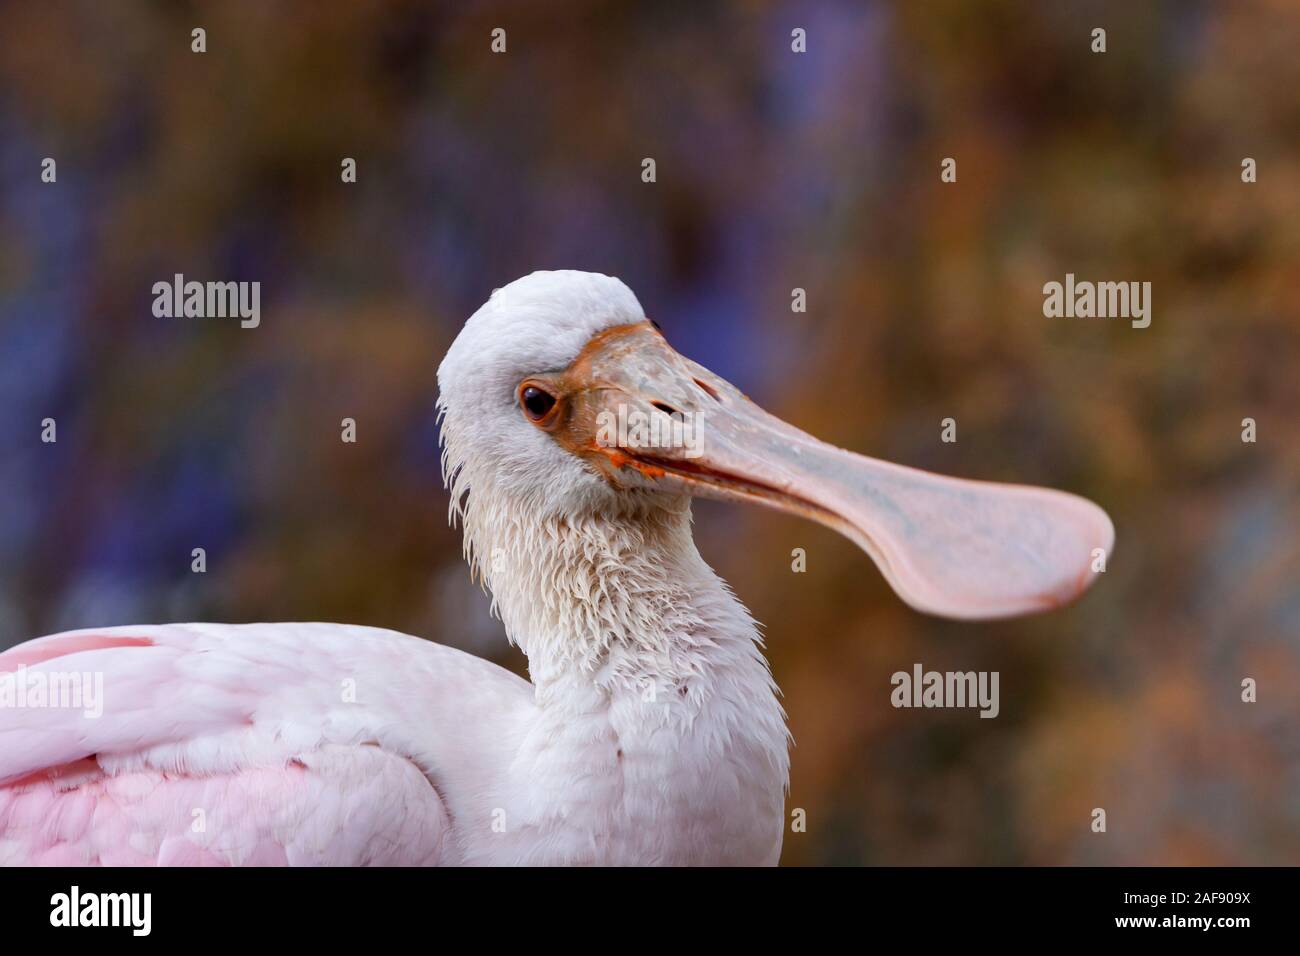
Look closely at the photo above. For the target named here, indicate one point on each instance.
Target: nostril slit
(709, 390)
(665, 408)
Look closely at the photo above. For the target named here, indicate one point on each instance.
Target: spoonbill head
(564, 408)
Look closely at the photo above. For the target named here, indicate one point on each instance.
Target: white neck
(636, 647)
(615, 600)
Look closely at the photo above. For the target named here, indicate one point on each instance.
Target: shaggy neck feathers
(622, 600)
(614, 593)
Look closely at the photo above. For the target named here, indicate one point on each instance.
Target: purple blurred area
(775, 170)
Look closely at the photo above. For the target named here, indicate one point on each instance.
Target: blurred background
(775, 170)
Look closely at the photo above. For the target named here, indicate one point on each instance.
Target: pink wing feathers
(247, 744)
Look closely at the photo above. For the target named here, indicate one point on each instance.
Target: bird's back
(257, 744)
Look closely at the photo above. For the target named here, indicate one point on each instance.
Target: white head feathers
(534, 325)
(572, 563)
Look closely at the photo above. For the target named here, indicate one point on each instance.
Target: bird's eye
(536, 402)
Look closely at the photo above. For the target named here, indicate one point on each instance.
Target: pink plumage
(254, 744)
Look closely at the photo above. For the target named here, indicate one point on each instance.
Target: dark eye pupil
(536, 402)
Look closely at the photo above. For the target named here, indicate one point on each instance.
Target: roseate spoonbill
(651, 731)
